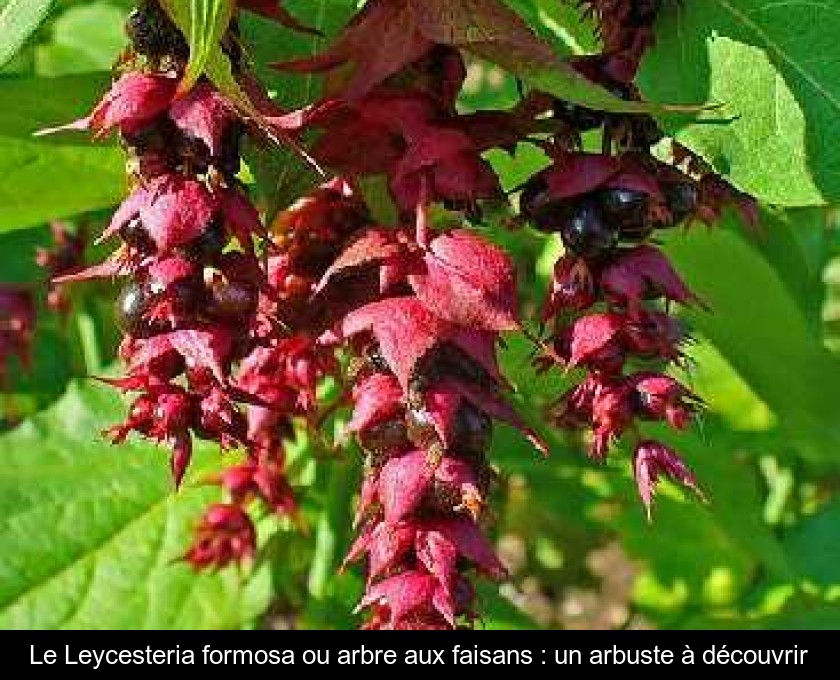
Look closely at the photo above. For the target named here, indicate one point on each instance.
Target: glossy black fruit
(627, 207)
(576, 116)
(230, 300)
(152, 34)
(134, 234)
(587, 234)
(473, 430)
(131, 306)
(681, 198)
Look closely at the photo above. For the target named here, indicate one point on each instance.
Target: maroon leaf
(468, 282)
(373, 246)
(641, 271)
(200, 348)
(403, 594)
(403, 481)
(133, 100)
(203, 113)
(576, 174)
(652, 460)
(381, 40)
(375, 399)
(387, 546)
(593, 334)
(404, 328)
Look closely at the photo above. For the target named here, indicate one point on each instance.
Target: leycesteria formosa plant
(231, 324)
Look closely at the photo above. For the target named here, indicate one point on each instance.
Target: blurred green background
(89, 532)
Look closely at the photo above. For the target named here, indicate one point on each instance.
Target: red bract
(133, 101)
(231, 327)
(66, 257)
(225, 534)
(172, 211)
(651, 461)
(203, 114)
(17, 323)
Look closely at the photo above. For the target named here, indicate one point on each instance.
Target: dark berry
(421, 430)
(627, 210)
(644, 132)
(587, 234)
(152, 34)
(209, 245)
(373, 356)
(473, 431)
(132, 304)
(535, 201)
(230, 300)
(135, 235)
(681, 199)
(643, 12)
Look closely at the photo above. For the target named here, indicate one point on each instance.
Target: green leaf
(90, 532)
(87, 37)
(696, 555)
(760, 326)
(19, 19)
(813, 549)
(774, 66)
(498, 34)
(203, 23)
(41, 175)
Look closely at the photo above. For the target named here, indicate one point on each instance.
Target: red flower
(225, 534)
(133, 101)
(651, 461)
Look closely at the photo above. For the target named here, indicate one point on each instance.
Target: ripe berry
(383, 440)
(587, 234)
(135, 235)
(576, 116)
(152, 34)
(535, 204)
(231, 300)
(643, 12)
(473, 431)
(681, 199)
(132, 303)
(626, 208)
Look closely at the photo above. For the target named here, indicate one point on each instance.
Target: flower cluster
(605, 306)
(424, 314)
(17, 324)
(66, 256)
(206, 346)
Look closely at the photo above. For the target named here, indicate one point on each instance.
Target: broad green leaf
(41, 181)
(41, 176)
(87, 37)
(90, 532)
(203, 23)
(813, 549)
(19, 19)
(774, 66)
(758, 323)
